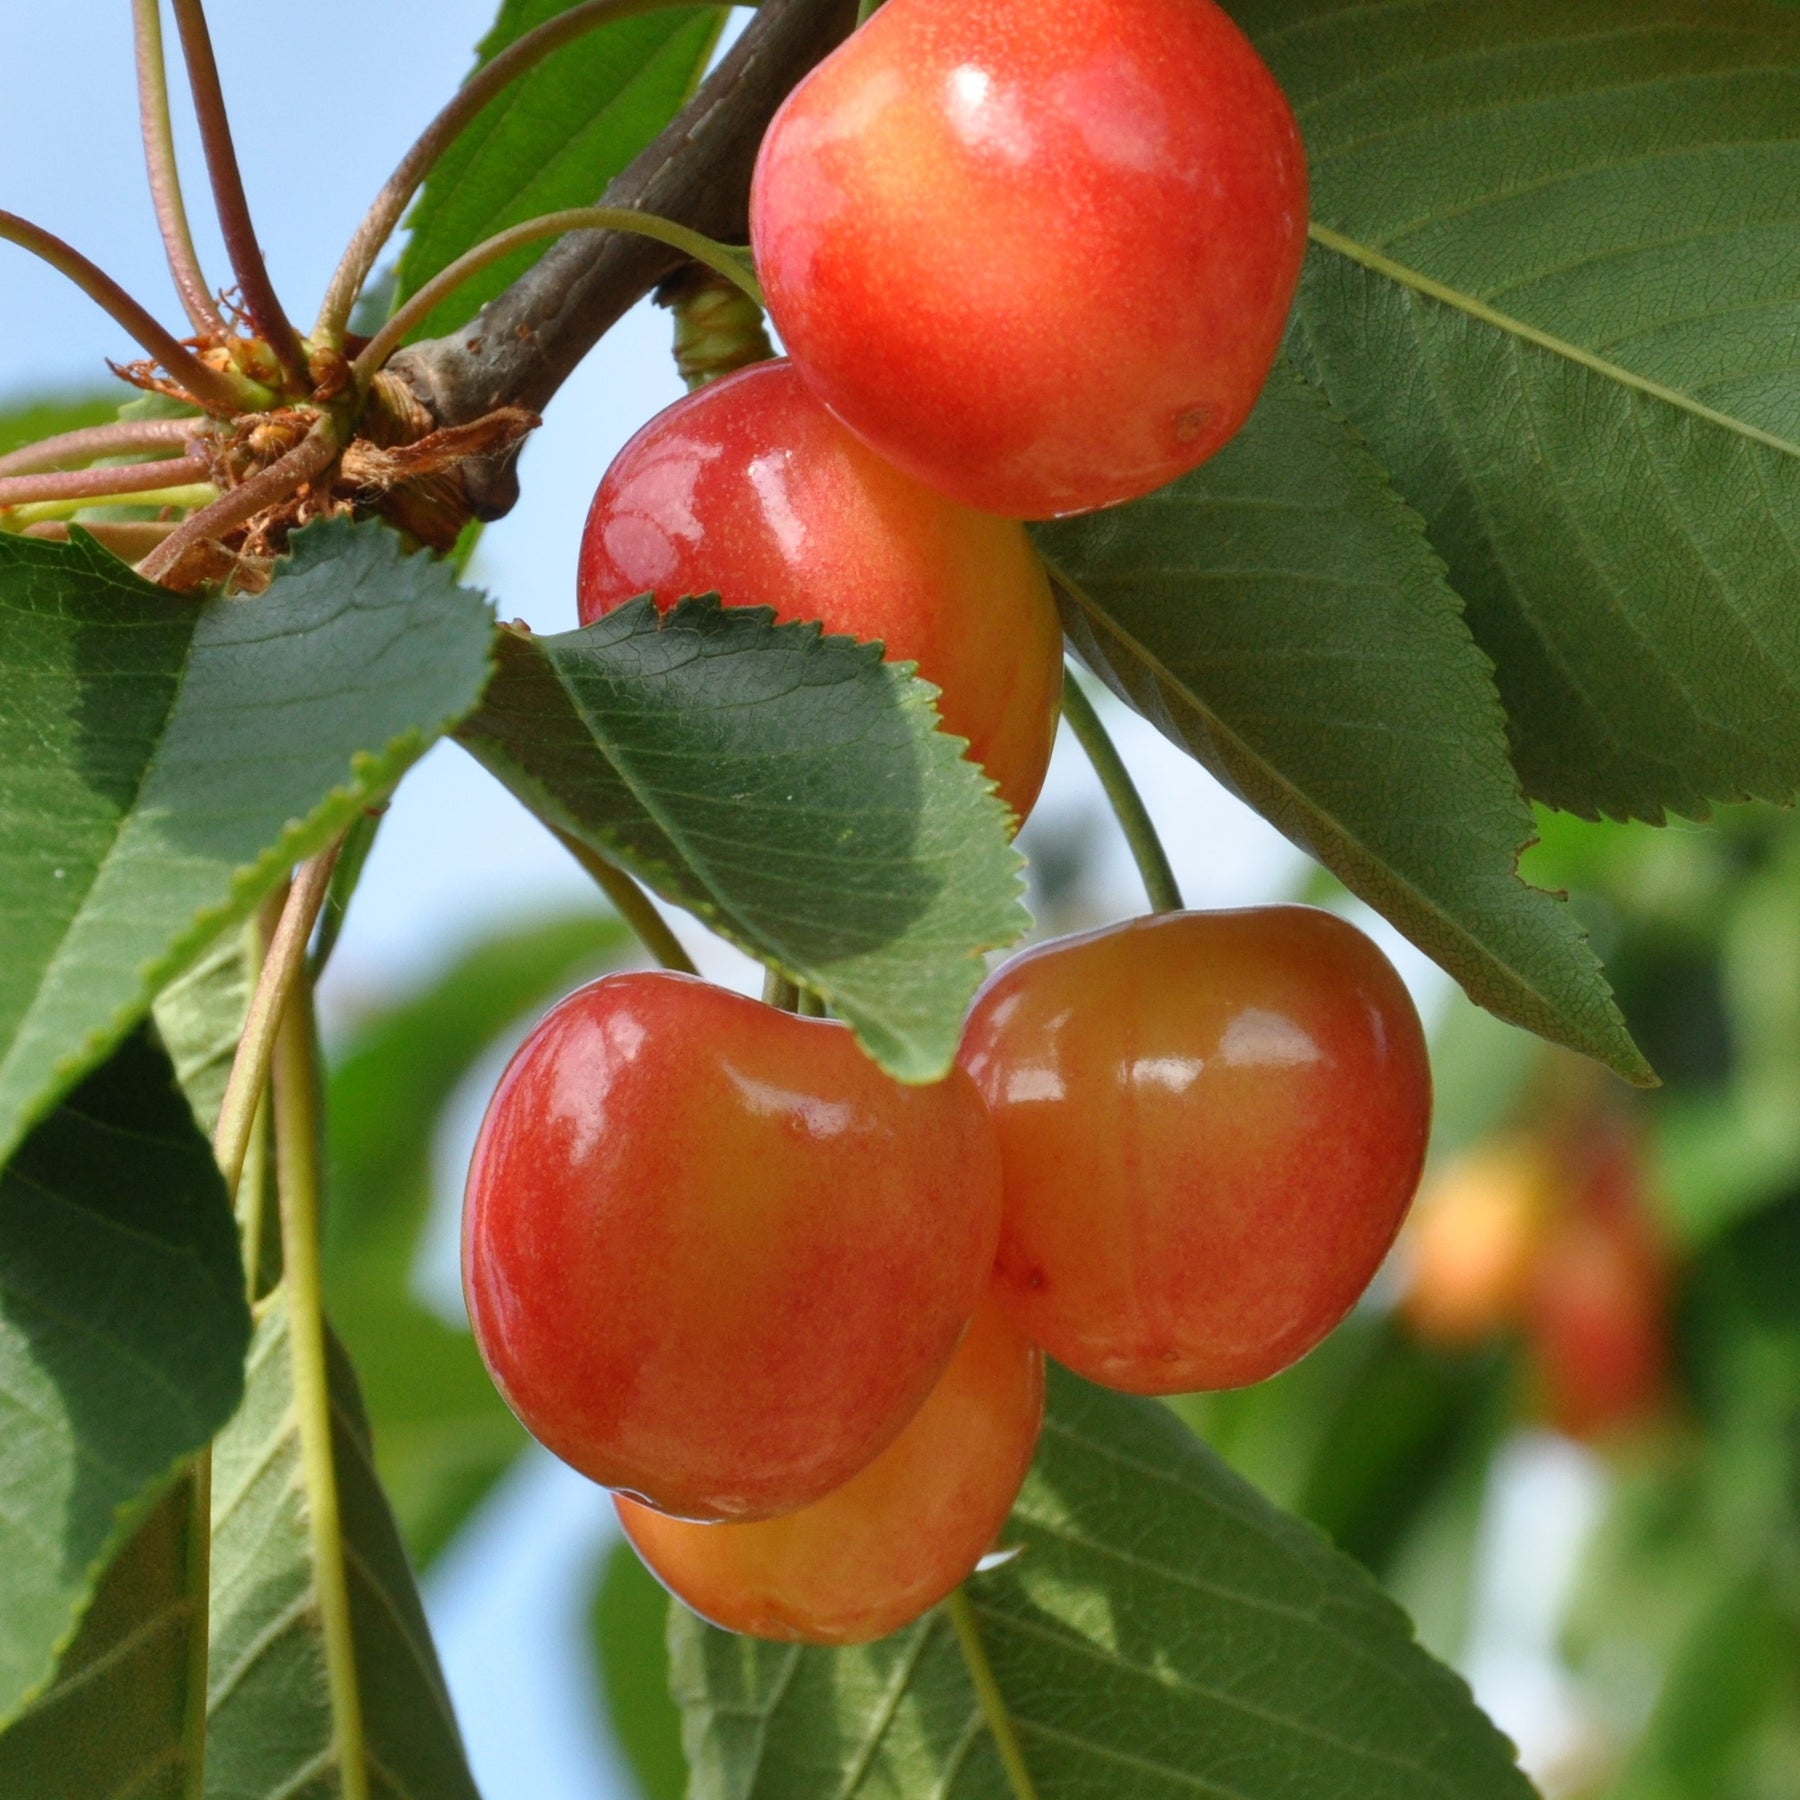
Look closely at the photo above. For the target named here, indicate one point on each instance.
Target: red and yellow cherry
(1473, 1239)
(1597, 1309)
(713, 1255)
(894, 1539)
(1211, 1125)
(751, 489)
(1039, 253)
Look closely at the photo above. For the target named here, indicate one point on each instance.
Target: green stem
(165, 179)
(197, 1579)
(389, 206)
(252, 1197)
(212, 388)
(714, 255)
(779, 991)
(987, 1691)
(275, 981)
(194, 494)
(266, 313)
(296, 1087)
(632, 904)
(1121, 792)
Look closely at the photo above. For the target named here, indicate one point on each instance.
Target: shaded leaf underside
(1556, 282)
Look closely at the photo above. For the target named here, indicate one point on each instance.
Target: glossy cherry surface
(713, 1255)
(750, 488)
(893, 1540)
(1039, 253)
(1211, 1125)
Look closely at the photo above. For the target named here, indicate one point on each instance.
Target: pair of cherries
(793, 1310)
(1027, 260)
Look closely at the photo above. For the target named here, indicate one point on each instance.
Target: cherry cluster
(1026, 260)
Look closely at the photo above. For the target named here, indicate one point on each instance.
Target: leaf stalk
(103, 483)
(197, 1581)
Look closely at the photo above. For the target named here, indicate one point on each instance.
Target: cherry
(1472, 1242)
(713, 1255)
(1039, 253)
(749, 487)
(894, 1539)
(1597, 1307)
(1211, 1125)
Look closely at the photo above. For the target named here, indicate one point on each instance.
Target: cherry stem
(102, 483)
(420, 305)
(389, 206)
(310, 457)
(632, 905)
(1121, 793)
(282, 964)
(262, 306)
(212, 388)
(165, 178)
(994, 1709)
(779, 991)
(68, 449)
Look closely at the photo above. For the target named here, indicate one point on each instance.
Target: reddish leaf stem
(210, 387)
(165, 180)
(385, 213)
(310, 457)
(69, 449)
(103, 483)
(264, 309)
(129, 539)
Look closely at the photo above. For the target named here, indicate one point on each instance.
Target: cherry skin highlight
(751, 489)
(1211, 1125)
(895, 1539)
(713, 1255)
(1039, 253)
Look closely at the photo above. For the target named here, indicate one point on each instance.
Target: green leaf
(1279, 614)
(122, 1335)
(552, 139)
(163, 762)
(270, 1725)
(1164, 1632)
(443, 1436)
(630, 1617)
(1556, 282)
(111, 1726)
(200, 1017)
(789, 788)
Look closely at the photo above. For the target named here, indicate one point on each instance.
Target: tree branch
(526, 341)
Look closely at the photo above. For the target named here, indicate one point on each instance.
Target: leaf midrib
(1416, 281)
